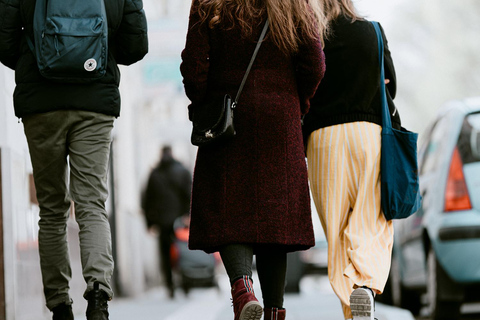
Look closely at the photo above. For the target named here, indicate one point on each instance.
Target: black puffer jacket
(127, 44)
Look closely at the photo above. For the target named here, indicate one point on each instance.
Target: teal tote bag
(399, 168)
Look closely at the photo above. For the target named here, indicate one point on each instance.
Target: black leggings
(271, 268)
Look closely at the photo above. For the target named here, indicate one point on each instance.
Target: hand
(387, 81)
(153, 231)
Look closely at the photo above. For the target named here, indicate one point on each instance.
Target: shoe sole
(361, 304)
(251, 311)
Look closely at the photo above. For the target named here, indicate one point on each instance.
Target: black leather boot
(62, 312)
(97, 304)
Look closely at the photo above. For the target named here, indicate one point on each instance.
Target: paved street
(315, 302)
(470, 311)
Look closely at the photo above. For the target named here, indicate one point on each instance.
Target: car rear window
(469, 139)
(435, 145)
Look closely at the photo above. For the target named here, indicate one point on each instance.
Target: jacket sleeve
(195, 58)
(148, 201)
(310, 69)
(131, 40)
(10, 32)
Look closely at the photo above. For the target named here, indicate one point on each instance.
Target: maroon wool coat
(252, 189)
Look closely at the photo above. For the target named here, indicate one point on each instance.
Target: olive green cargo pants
(85, 137)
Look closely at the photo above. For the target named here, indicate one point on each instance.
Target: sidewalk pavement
(316, 301)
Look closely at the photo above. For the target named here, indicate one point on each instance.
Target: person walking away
(167, 197)
(342, 132)
(71, 121)
(250, 194)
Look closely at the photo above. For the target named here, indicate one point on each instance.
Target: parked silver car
(437, 250)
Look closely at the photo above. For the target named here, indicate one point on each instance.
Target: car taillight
(456, 193)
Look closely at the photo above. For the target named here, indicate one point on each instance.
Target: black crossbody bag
(213, 120)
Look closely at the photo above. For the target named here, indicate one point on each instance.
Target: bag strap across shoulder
(259, 43)
(386, 121)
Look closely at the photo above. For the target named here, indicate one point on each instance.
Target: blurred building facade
(153, 113)
(435, 51)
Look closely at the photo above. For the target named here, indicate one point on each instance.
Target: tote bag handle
(386, 120)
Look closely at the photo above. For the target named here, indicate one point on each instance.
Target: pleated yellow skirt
(344, 174)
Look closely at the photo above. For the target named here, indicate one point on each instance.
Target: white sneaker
(362, 304)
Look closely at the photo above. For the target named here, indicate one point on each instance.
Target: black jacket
(350, 89)
(127, 44)
(167, 196)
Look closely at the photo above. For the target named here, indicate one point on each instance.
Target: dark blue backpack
(71, 39)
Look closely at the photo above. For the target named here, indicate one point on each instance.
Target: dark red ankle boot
(274, 314)
(245, 305)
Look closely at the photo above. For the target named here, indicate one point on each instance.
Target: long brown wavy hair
(286, 19)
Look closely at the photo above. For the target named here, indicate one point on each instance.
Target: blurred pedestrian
(167, 197)
(250, 194)
(342, 131)
(66, 120)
